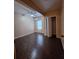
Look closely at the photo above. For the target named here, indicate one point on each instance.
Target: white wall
(62, 26)
(23, 25)
(62, 21)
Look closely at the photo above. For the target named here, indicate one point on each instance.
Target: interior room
(39, 29)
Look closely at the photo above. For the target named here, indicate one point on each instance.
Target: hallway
(37, 46)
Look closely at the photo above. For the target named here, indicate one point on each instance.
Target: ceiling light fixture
(32, 15)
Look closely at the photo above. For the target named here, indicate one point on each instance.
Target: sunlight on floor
(40, 40)
(34, 54)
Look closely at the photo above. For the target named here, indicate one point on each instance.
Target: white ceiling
(21, 9)
(48, 4)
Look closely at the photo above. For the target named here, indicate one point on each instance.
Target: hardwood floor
(37, 46)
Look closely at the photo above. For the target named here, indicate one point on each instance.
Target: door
(53, 19)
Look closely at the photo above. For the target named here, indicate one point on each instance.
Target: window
(39, 24)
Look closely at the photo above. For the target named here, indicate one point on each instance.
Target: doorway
(53, 20)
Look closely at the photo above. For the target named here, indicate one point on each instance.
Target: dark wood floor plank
(38, 46)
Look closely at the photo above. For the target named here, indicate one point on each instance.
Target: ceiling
(43, 6)
(21, 9)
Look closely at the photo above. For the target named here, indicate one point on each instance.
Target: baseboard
(22, 35)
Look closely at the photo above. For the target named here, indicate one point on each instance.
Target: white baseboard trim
(22, 36)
